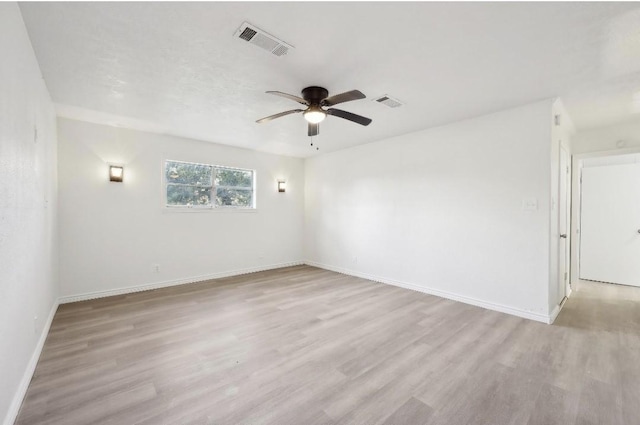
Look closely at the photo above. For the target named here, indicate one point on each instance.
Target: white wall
(111, 233)
(28, 263)
(599, 161)
(624, 137)
(441, 210)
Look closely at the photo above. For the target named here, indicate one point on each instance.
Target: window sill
(166, 210)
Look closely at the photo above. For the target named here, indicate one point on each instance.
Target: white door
(564, 219)
(610, 234)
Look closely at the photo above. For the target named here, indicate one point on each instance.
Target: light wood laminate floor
(303, 345)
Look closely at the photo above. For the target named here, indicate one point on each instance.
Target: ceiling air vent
(389, 101)
(260, 38)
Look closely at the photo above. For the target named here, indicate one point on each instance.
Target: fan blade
(349, 116)
(343, 97)
(314, 129)
(281, 114)
(289, 96)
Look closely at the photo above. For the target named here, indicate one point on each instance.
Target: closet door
(610, 230)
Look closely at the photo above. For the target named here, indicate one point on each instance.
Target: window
(190, 185)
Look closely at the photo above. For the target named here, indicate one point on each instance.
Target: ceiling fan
(316, 98)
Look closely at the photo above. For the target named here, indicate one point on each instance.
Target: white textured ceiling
(175, 67)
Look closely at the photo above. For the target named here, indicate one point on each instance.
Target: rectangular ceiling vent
(262, 39)
(389, 101)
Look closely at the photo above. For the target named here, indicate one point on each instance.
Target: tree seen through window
(207, 186)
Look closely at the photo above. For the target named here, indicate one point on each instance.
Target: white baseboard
(554, 313)
(538, 317)
(21, 392)
(175, 282)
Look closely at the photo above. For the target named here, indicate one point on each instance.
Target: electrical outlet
(155, 268)
(355, 260)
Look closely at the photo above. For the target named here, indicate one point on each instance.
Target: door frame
(564, 283)
(576, 202)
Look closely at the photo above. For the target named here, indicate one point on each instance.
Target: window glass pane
(185, 173)
(234, 197)
(234, 178)
(188, 195)
(192, 186)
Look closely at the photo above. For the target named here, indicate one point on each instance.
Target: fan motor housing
(314, 95)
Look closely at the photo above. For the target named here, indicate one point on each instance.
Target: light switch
(530, 204)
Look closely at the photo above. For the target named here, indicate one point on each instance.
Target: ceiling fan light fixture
(315, 98)
(314, 115)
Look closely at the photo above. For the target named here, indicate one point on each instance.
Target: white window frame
(214, 188)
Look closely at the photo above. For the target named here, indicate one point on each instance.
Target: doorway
(610, 220)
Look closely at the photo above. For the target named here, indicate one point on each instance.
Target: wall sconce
(282, 186)
(115, 173)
